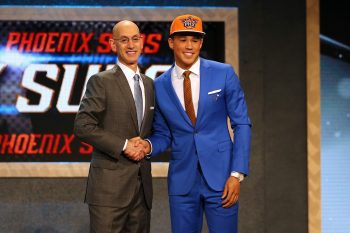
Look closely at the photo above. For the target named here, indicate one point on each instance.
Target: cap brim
(192, 31)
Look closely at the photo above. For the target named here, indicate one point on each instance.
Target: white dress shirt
(177, 80)
(129, 74)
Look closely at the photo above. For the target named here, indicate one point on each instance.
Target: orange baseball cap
(186, 23)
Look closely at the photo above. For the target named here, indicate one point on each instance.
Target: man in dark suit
(193, 100)
(116, 109)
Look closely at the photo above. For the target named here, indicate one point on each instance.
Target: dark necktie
(188, 97)
(138, 99)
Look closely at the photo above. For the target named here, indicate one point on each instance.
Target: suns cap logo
(189, 22)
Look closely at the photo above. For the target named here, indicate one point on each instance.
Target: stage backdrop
(46, 59)
(335, 117)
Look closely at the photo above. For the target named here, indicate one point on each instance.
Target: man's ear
(201, 43)
(171, 43)
(113, 45)
(142, 42)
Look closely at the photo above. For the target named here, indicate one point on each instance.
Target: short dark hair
(195, 34)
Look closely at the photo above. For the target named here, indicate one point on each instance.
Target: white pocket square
(213, 92)
(151, 107)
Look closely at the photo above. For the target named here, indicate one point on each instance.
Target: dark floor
(56, 206)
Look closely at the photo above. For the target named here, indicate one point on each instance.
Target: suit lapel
(174, 97)
(205, 77)
(148, 102)
(127, 94)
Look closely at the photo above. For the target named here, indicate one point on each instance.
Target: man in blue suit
(193, 100)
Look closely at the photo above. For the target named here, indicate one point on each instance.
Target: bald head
(124, 25)
(127, 43)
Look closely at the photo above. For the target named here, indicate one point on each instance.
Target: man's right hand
(133, 151)
(145, 145)
(137, 148)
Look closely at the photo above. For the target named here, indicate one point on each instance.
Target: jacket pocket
(223, 146)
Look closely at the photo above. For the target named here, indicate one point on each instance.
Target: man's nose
(130, 44)
(188, 45)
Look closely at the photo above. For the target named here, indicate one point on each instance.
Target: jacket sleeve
(240, 123)
(88, 125)
(161, 136)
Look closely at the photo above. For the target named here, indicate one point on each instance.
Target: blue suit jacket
(209, 142)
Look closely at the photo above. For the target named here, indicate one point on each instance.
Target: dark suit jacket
(106, 118)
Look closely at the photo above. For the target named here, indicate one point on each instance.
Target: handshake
(137, 148)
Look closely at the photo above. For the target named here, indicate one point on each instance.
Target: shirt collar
(194, 69)
(129, 73)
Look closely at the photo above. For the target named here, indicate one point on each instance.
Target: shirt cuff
(125, 144)
(238, 175)
(150, 152)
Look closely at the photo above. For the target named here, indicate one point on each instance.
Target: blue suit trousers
(187, 210)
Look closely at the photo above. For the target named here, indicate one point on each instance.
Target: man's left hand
(231, 192)
(132, 151)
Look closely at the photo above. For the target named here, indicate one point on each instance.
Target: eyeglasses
(126, 40)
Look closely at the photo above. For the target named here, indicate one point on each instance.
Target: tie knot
(136, 77)
(187, 74)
